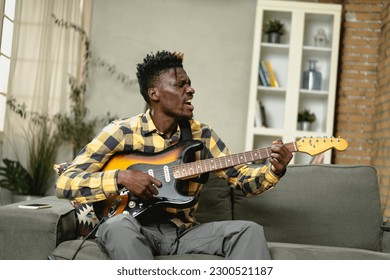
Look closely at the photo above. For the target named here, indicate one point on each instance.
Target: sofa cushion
(215, 202)
(79, 250)
(330, 205)
(287, 251)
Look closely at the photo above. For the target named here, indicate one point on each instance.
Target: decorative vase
(273, 37)
(312, 78)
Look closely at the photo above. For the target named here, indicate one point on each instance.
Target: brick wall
(363, 102)
(381, 148)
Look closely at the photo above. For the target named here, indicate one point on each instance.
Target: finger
(275, 163)
(153, 189)
(279, 150)
(156, 183)
(147, 194)
(277, 141)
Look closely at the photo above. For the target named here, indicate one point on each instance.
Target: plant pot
(305, 126)
(273, 37)
(23, 197)
(5, 197)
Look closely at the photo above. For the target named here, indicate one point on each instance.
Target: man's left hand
(280, 157)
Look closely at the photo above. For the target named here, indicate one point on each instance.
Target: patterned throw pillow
(86, 218)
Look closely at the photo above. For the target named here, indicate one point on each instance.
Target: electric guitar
(170, 167)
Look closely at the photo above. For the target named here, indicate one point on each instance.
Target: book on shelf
(257, 115)
(267, 71)
(264, 69)
(263, 116)
(262, 78)
(260, 120)
(272, 76)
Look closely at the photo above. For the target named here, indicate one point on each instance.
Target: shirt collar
(148, 126)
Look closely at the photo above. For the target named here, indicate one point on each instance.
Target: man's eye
(182, 84)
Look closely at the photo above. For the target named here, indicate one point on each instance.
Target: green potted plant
(274, 28)
(306, 119)
(36, 177)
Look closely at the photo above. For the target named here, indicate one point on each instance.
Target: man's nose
(190, 90)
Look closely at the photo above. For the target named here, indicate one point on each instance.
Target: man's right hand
(138, 183)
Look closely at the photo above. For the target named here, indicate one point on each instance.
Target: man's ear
(153, 94)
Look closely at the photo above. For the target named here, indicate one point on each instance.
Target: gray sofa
(316, 212)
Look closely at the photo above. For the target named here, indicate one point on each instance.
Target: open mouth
(189, 104)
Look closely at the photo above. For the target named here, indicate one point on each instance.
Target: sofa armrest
(386, 237)
(35, 233)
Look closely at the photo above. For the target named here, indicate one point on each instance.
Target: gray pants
(123, 237)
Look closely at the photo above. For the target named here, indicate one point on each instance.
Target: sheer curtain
(43, 57)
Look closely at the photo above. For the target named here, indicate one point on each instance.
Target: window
(7, 13)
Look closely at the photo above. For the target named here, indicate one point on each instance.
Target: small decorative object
(312, 78)
(320, 39)
(305, 120)
(274, 28)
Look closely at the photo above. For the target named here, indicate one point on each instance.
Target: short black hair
(153, 65)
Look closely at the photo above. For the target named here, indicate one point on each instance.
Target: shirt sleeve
(251, 179)
(85, 180)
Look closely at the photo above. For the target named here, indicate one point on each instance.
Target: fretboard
(196, 168)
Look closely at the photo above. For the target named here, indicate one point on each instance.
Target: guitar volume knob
(132, 204)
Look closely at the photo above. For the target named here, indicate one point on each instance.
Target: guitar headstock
(316, 145)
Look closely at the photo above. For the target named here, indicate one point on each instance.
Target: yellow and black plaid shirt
(84, 180)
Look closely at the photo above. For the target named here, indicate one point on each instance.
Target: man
(166, 87)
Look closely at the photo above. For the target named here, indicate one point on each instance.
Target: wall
(216, 37)
(363, 100)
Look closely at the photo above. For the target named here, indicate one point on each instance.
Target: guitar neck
(192, 169)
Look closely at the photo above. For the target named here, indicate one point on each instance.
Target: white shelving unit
(289, 59)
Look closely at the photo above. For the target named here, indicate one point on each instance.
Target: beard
(184, 117)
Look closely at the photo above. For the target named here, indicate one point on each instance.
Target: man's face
(175, 94)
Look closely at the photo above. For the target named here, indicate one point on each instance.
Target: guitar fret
(242, 158)
(212, 164)
(251, 154)
(255, 155)
(221, 165)
(189, 169)
(216, 164)
(199, 167)
(237, 157)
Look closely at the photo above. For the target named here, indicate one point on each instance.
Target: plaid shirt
(84, 180)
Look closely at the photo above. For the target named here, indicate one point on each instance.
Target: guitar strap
(186, 134)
